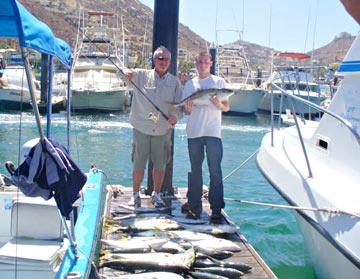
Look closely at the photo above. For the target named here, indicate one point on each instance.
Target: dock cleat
(157, 200)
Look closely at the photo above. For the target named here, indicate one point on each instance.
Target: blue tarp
(17, 22)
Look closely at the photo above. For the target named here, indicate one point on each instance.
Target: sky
(284, 25)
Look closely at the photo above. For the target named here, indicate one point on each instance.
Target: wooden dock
(247, 255)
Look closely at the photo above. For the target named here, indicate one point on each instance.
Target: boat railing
(299, 81)
(290, 97)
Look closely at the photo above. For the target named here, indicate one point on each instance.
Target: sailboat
(314, 166)
(39, 236)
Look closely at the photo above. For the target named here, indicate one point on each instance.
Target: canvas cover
(17, 22)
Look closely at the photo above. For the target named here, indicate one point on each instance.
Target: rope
(241, 165)
(326, 210)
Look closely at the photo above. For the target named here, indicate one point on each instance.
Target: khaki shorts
(154, 148)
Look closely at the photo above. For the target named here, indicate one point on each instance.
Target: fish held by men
(202, 97)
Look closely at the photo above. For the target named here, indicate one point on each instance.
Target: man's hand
(172, 120)
(188, 106)
(128, 74)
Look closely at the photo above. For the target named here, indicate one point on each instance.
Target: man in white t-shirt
(204, 135)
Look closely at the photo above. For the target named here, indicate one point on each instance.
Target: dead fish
(208, 261)
(206, 275)
(145, 224)
(217, 254)
(178, 263)
(231, 273)
(189, 221)
(168, 247)
(222, 229)
(220, 244)
(189, 235)
(150, 275)
(133, 245)
(202, 97)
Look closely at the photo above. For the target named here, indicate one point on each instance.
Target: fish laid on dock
(202, 97)
(151, 275)
(150, 244)
(178, 263)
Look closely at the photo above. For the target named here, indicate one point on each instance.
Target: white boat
(96, 83)
(14, 91)
(36, 238)
(15, 94)
(231, 64)
(296, 80)
(315, 167)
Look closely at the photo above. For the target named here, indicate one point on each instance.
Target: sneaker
(156, 199)
(216, 217)
(135, 200)
(185, 208)
(194, 211)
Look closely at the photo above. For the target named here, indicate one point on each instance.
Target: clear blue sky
(285, 25)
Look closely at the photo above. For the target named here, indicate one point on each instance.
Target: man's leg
(214, 154)
(138, 177)
(158, 178)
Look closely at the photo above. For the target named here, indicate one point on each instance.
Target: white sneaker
(135, 200)
(156, 199)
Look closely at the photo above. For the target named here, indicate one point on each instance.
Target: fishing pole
(122, 73)
(142, 93)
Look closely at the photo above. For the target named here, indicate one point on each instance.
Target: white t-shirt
(204, 120)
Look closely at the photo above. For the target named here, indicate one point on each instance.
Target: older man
(153, 118)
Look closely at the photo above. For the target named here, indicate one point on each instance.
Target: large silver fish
(228, 272)
(178, 263)
(151, 275)
(202, 97)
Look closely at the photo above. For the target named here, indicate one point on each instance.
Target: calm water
(106, 141)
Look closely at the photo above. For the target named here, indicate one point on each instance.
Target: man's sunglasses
(161, 58)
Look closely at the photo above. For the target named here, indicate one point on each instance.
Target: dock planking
(117, 200)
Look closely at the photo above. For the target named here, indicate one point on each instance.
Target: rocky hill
(137, 20)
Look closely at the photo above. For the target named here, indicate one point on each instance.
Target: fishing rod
(142, 93)
(123, 74)
(326, 210)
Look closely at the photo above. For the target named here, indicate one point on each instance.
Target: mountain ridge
(62, 16)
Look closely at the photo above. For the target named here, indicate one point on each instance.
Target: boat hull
(58, 104)
(331, 239)
(15, 98)
(87, 229)
(245, 101)
(300, 108)
(330, 263)
(92, 100)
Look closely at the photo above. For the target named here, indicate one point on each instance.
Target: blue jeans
(214, 153)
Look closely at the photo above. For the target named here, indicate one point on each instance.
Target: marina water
(105, 139)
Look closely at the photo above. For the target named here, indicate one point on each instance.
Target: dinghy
(39, 236)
